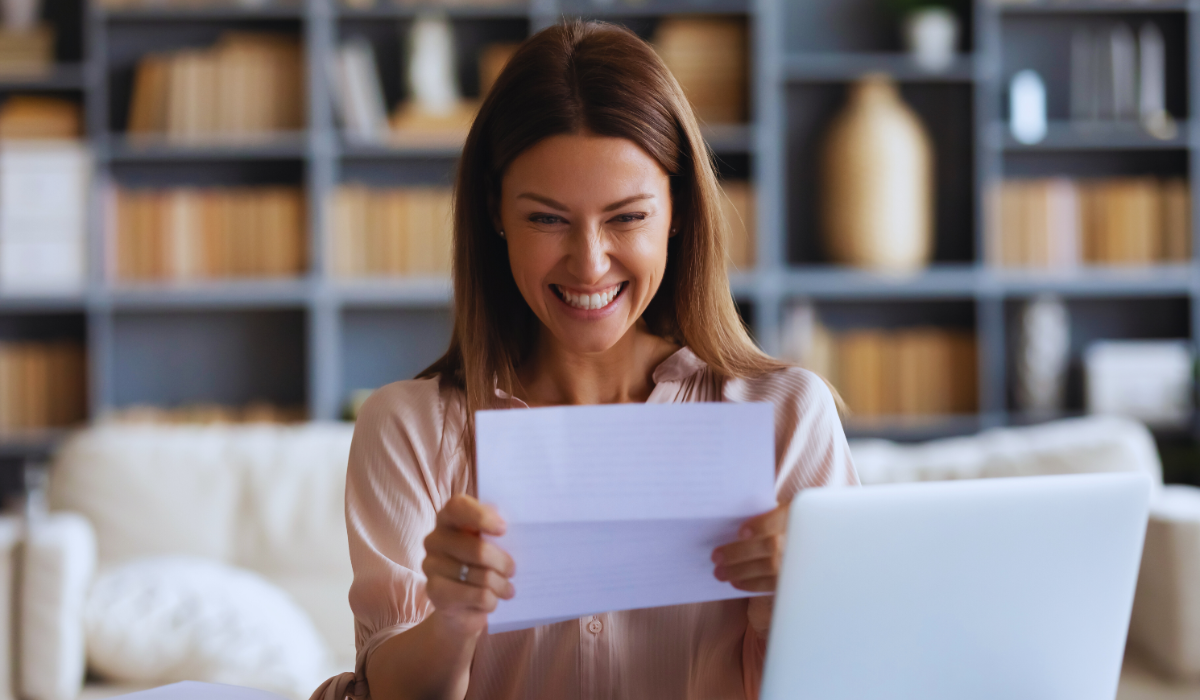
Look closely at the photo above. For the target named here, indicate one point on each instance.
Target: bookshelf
(313, 340)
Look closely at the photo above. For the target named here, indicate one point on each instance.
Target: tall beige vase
(877, 182)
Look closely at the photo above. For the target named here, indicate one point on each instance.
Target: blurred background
(224, 220)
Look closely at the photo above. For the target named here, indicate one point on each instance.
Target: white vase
(431, 70)
(1043, 351)
(21, 15)
(877, 182)
(931, 36)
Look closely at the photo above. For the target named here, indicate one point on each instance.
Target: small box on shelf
(44, 186)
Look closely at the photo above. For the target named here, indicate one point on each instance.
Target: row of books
(918, 371)
(26, 53)
(395, 231)
(247, 85)
(910, 372)
(1063, 223)
(208, 414)
(42, 385)
(37, 117)
(195, 233)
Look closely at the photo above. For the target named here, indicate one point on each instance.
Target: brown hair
(601, 78)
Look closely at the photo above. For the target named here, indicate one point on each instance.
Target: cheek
(530, 263)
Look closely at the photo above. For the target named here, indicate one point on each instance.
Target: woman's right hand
(457, 539)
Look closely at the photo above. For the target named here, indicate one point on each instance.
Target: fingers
(468, 549)
(769, 523)
(768, 547)
(448, 594)
(444, 567)
(757, 568)
(462, 512)
(765, 584)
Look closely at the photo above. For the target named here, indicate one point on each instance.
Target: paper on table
(619, 507)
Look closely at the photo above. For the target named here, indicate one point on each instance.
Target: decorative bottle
(877, 182)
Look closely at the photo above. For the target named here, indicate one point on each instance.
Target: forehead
(584, 167)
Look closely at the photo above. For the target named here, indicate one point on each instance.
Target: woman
(589, 268)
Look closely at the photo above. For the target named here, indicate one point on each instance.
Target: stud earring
(502, 233)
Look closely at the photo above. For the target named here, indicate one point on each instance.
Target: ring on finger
(464, 570)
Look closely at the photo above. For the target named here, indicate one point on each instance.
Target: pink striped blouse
(405, 463)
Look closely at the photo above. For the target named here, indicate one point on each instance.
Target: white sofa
(270, 499)
(265, 498)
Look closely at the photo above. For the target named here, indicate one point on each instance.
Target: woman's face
(587, 220)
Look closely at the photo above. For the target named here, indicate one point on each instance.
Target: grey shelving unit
(315, 339)
(815, 48)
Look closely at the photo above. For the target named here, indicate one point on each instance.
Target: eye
(545, 219)
(629, 218)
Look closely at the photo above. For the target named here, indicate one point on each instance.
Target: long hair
(567, 79)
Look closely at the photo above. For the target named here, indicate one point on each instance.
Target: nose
(588, 257)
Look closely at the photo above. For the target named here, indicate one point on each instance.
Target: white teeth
(590, 301)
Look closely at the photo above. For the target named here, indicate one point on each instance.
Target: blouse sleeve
(404, 466)
(810, 451)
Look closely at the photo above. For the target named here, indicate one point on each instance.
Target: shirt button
(595, 626)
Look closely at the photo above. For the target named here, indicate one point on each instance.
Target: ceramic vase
(1043, 351)
(877, 192)
(931, 37)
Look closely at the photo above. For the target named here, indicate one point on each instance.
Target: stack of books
(738, 207)
(708, 57)
(42, 385)
(909, 372)
(209, 414)
(389, 232)
(246, 86)
(194, 233)
(40, 118)
(1059, 223)
(44, 186)
(26, 53)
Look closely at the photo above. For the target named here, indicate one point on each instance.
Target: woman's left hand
(753, 562)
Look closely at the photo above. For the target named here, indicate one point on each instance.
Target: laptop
(993, 589)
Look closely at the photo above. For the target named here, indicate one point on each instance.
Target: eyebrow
(561, 207)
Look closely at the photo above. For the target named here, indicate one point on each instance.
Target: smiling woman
(589, 268)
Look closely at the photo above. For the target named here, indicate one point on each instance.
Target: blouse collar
(680, 365)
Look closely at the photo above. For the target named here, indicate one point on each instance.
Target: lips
(589, 302)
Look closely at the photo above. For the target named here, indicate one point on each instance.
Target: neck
(557, 376)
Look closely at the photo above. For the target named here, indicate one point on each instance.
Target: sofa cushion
(265, 498)
(167, 619)
(1074, 446)
(151, 490)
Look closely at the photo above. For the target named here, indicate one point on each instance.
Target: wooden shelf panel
(211, 294)
(231, 13)
(387, 10)
(838, 67)
(120, 148)
(1095, 7)
(63, 76)
(1069, 136)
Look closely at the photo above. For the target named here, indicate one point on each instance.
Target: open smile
(589, 302)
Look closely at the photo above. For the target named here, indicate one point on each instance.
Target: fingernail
(745, 533)
(717, 557)
(719, 572)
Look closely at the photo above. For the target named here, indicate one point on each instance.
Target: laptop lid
(993, 588)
